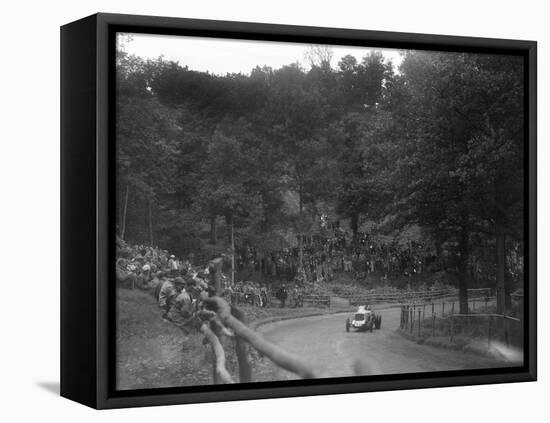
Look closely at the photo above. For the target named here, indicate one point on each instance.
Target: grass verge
(154, 353)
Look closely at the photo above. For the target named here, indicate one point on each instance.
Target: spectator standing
(173, 265)
(283, 295)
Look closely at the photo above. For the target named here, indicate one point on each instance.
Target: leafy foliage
(437, 143)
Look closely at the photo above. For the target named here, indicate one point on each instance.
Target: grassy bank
(153, 353)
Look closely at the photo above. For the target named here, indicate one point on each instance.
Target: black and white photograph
(307, 211)
(273, 211)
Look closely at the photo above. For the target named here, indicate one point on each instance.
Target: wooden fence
(323, 300)
(220, 319)
(425, 320)
(297, 301)
(415, 296)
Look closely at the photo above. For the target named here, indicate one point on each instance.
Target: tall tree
(448, 187)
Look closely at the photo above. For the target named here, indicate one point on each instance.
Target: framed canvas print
(255, 211)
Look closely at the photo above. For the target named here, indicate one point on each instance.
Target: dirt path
(324, 341)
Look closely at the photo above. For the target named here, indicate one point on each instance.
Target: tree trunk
(473, 270)
(463, 271)
(300, 234)
(508, 281)
(232, 253)
(213, 230)
(501, 261)
(123, 229)
(300, 254)
(228, 222)
(355, 227)
(151, 240)
(215, 269)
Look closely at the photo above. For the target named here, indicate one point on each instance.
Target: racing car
(364, 320)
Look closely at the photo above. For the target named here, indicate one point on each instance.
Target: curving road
(324, 341)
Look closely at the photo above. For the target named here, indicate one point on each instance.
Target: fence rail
(226, 315)
(298, 301)
(317, 299)
(413, 296)
(491, 326)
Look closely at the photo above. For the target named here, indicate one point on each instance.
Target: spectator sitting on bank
(168, 293)
(156, 283)
(200, 279)
(145, 275)
(181, 311)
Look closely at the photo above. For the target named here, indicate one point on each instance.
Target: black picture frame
(87, 214)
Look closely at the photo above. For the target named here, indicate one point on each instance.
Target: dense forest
(208, 162)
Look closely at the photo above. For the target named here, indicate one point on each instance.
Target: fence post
(451, 327)
(489, 331)
(411, 317)
(419, 321)
(453, 308)
(241, 349)
(506, 338)
(473, 303)
(433, 325)
(219, 372)
(215, 268)
(432, 307)
(443, 307)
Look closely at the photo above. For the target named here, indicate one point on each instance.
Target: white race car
(364, 320)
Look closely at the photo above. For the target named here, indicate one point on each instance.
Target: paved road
(323, 340)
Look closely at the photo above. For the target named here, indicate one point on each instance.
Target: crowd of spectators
(178, 286)
(261, 295)
(325, 256)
